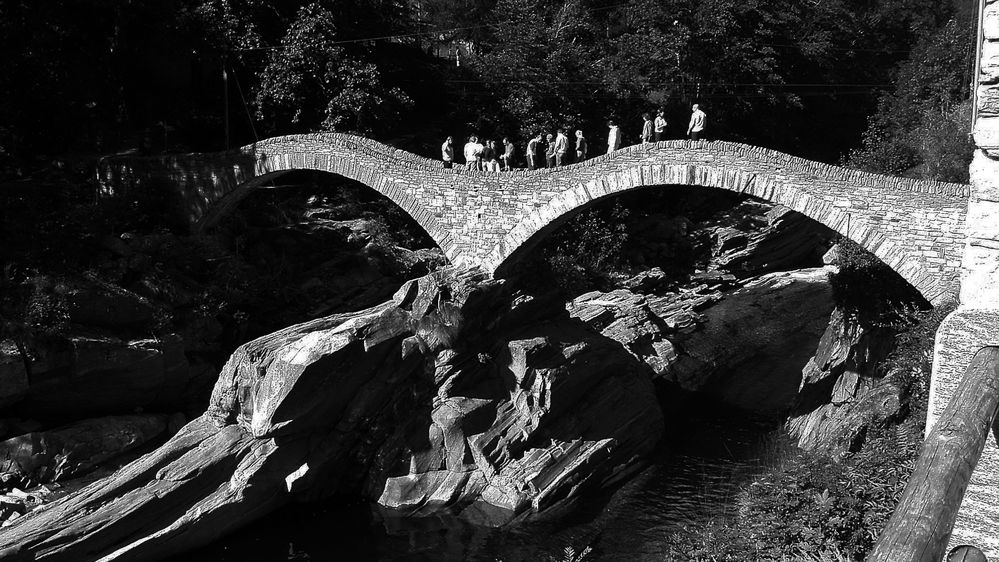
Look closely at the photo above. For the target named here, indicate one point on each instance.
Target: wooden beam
(920, 527)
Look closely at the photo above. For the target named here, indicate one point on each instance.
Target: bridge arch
(798, 184)
(362, 160)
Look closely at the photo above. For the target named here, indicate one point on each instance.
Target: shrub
(586, 252)
(869, 290)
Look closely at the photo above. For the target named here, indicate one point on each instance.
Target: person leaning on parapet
(580, 147)
(660, 125)
(697, 122)
(532, 152)
(486, 156)
(561, 147)
(447, 152)
(492, 162)
(550, 150)
(507, 153)
(613, 137)
(646, 128)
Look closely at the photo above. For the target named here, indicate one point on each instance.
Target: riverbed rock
(841, 395)
(756, 238)
(49, 456)
(92, 302)
(429, 399)
(13, 375)
(91, 372)
(746, 347)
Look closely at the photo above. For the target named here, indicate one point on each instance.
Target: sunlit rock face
(456, 393)
(745, 346)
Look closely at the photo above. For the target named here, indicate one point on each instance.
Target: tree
(921, 127)
(311, 81)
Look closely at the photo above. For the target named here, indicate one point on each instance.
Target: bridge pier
(975, 323)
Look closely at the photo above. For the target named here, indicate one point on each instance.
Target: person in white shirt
(532, 152)
(613, 137)
(473, 153)
(697, 120)
(660, 125)
(447, 152)
(561, 147)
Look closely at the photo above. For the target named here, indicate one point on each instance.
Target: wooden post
(921, 524)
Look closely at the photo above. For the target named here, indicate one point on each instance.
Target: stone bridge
(491, 219)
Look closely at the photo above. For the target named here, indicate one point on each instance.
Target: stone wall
(491, 219)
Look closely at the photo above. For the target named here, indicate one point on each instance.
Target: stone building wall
(975, 324)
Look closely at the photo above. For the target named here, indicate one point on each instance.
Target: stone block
(990, 63)
(979, 275)
(990, 25)
(987, 132)
(984, 177)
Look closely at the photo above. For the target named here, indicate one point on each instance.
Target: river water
(693, 480)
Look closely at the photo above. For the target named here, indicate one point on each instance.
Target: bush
(869, 290)
(586, 252)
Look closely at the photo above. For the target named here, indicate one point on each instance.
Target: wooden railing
(920, 527)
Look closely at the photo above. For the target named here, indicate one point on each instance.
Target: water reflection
(693, 481)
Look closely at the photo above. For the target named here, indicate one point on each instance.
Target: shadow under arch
(545, 219)
(268, 168)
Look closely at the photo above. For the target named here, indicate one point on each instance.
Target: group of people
(553, 150)
(485, 155)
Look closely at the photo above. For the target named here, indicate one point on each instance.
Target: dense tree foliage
(921, 127)
(82, 75)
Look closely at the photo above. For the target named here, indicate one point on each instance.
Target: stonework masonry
(492, 219)
(975, 323)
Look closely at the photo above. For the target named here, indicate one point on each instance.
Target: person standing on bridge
(646, 128)
(660, 125)
(447, 152)
(580, 147)
(507, 153)
(550, 150)
(697, 122)
(473, 153)
(532, 152)
(613, 137)
(561, 147)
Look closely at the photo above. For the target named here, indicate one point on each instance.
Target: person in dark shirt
(507, 153)
(550, 150)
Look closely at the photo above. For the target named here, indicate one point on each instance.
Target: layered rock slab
(428, 400)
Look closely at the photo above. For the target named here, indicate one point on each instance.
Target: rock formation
(745, 346)
(841, 395)
(444, 396)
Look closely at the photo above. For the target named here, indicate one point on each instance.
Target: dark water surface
(693, 480)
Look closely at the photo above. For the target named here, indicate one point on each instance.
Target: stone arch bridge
(490, 219)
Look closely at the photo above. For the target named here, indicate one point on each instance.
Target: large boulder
(48, 456)
(92, 302)
(13, 375)
(841, 394)
(756, 238)
(746, 347)
(434, 398)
